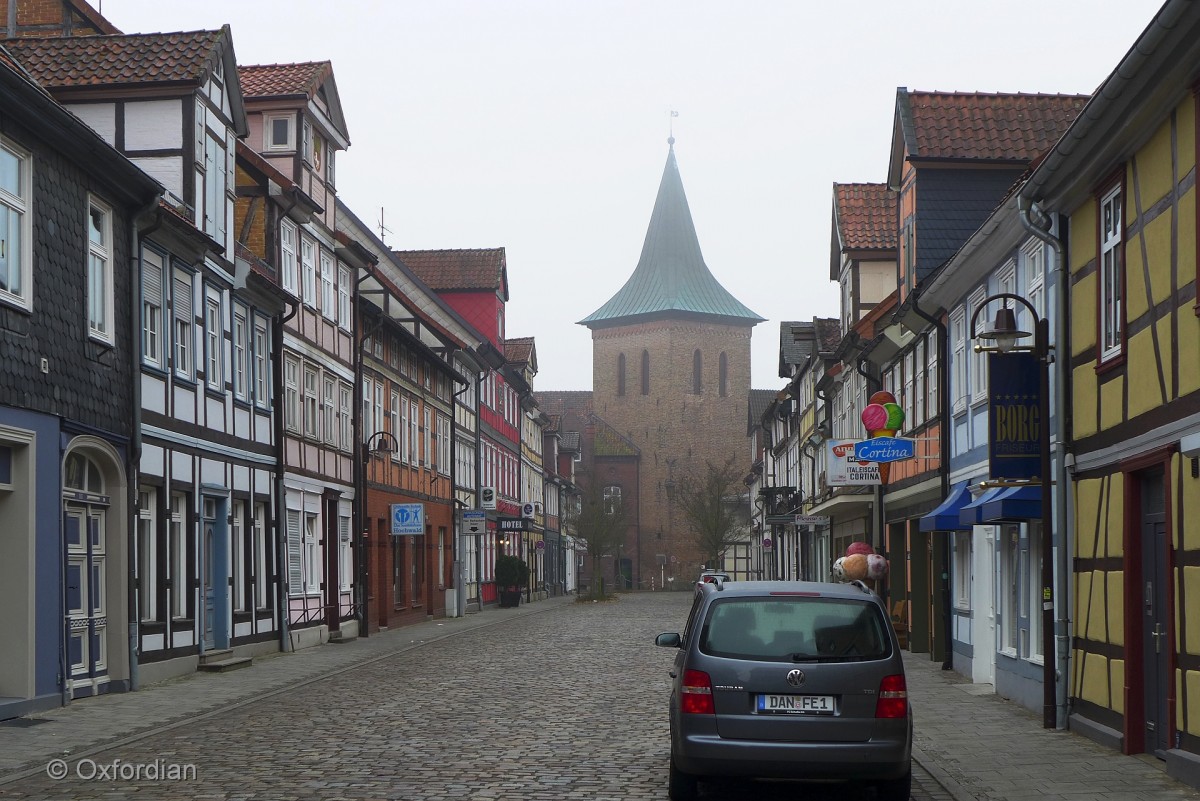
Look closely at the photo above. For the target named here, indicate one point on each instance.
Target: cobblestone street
(565, 702)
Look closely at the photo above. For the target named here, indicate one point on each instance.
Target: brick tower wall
(676, 429)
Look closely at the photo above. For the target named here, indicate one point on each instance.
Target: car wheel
(681, 786)
(895, 789)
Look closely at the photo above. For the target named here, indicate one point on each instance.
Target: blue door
(215, 574)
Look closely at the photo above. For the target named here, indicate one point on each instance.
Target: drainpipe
(944, 446)
(460, 564)
(1062, 512)
(281, 562)
(134, 458)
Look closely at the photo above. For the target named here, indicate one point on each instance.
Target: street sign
(811, 520)
(767, 544)
(408, 519)
(885, 449)
(474, 521)
(540, 545)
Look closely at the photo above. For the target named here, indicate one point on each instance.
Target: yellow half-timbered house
(1123, 178)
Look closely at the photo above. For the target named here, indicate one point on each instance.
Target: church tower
(671, 373)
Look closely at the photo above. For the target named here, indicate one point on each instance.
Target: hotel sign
(1014, 416)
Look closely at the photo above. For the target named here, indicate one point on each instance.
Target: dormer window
(279, 133)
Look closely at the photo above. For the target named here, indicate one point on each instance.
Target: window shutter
(344, 529)
(183, 299)
(295, 573)
(152, 282)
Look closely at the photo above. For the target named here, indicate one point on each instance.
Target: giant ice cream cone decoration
(882, 417)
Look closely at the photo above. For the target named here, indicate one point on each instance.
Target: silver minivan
(789, 680)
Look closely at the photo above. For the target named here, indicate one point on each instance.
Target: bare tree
(602, 522)
(713, 502)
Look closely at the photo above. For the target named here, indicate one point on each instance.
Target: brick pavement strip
(555, 700)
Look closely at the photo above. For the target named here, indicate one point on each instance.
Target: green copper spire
(671, 279)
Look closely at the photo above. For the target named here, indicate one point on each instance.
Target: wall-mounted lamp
(381, 444)
(817, 438)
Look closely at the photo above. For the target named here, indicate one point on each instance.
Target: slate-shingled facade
(68, 436)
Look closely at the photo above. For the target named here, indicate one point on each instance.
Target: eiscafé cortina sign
(843, 468)
(885, 449)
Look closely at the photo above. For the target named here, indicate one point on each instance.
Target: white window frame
(180, 581)
(1033, 257)
(241, 351)
(308, 268)
(978, 371)
(269, 141)
(147, 557)
(932, 387)
(291, 393)
(1033, 583)
(1008, 587)
(428, 420)
(312, 556)
(214, 194)
(237, 557)
(152, 307)
(346, 419)
(262, 362)
(443, 445)
(214, 331)
(343, 290)
(368, 419)
(963, 544)
(15, 208)
(328, 296)
(959, 389)
(329, 409)
(183, 339)
(312, 423)
(414, 433)
(1111, 278)
(100, 271)
(262, 595)
(345, 554)
(394, 422)
(289, 256)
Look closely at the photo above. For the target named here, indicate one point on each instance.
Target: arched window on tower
(645, 372)
(723, 371)
(697, 363)
(621, 374)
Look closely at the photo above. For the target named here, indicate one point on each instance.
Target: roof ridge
(320, 62)
(959, 93)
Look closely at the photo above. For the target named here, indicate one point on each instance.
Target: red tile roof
(829, 333)
(519, 349)
(975, 125)
(442, 270)
(866, 216)
(72, 61)
(278, 80)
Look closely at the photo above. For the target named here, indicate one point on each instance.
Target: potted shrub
(511, 576)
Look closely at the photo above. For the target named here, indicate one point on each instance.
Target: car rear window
(795, 629)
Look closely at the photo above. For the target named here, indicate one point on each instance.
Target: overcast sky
(540, 126)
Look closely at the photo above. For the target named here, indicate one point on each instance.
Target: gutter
(134, 459)
(1063, 518)
(283, 598)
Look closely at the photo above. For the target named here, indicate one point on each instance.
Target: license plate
(796, 704)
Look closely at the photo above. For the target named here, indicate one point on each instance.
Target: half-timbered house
(1123, 179)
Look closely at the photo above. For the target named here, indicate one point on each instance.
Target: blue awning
(945, 517)
(1014, 505)
(972, 513)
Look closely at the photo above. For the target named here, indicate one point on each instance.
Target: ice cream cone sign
(882, 417)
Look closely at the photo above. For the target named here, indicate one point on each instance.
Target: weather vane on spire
(671, 127)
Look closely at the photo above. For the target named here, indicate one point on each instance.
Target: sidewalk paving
(980, 746)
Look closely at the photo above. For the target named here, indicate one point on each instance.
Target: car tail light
(893, 697)
(696, 693)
